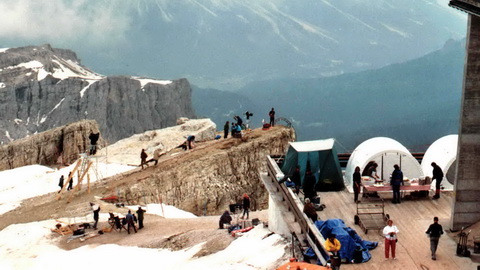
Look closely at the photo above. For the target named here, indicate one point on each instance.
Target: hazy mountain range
(415, 102)
(225, 44)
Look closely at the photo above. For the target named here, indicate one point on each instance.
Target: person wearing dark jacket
(226, 127)
(395, 182)
(438, 176)
(130, 222)
(357, 183)
(143, 158)
(309, 210)
(96, 211)
(70, 182)
(60, 183)
(246, 205)
(239, 120)
(271, 114)
(435, 230)
(309, 185)
(224, 219)
(140, 212)
(93, 142)
(296, 178)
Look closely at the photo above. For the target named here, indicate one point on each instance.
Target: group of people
(62, 180)
(236, 127)
(396, 180)
(156, 156)
(130, 219)
(226, 218)
(391, 231)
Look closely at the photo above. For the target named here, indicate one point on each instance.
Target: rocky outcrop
(207, 180)
(42, 88)
(127, 151)
(60, 144)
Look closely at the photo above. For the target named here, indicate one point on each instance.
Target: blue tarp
(348, 237)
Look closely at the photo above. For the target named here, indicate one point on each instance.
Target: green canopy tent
(321, 157)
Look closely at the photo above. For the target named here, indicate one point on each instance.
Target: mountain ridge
(41, 90)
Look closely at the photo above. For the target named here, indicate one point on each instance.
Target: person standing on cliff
(143, 158)
(226, 127)
(271, 114)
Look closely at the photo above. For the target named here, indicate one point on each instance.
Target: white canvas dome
(386, 152)
(443, 152)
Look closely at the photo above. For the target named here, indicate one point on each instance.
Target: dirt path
(174, 234)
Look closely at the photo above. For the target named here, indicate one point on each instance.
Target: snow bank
(163, 210)
(32, 246)
(30, 181)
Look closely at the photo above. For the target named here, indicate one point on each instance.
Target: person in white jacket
(390, 233)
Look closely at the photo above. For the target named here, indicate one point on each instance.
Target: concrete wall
(276, 221)
(466, 206)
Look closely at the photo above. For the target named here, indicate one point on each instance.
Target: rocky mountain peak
(43, 87)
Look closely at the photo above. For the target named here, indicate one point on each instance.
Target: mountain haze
(225, 44)
(415, 102)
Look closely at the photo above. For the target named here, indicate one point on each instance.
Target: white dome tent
(443, 152)
(386, 152)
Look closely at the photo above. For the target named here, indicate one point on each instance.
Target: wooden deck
(412, 217)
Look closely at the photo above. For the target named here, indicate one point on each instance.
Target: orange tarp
(301, 266)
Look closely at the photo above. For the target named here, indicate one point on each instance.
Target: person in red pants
(390, 233)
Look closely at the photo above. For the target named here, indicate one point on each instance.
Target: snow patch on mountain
(54, 108)
(395, 30)
(69, 68)
(90, 82)
(348, 16)
(145, 81)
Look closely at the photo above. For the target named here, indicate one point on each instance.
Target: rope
(344, 148)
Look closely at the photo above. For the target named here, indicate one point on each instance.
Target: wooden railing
(302, 226)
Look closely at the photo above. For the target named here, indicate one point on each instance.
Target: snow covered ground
(35, 180)
(33, 246)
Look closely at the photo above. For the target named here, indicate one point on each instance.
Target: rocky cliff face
(208, 179)
(42, 88)
(46, 148)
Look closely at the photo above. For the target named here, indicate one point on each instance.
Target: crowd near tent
(321, 157)
(386, 152)
(443, 152)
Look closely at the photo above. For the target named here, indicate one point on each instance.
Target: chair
(111, 221)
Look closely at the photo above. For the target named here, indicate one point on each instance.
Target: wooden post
(88, 183)
(79, 181)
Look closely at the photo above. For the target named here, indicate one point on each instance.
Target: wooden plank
(412, 217)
